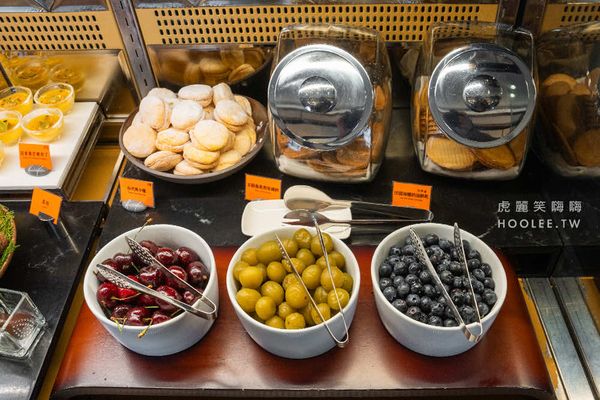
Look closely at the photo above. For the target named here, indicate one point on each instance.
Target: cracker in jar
(240, 73)
(500, 157)
(587, 148)
(558, 88)
(567, 116)
(448, 154)
(556, 78)
(356, 154)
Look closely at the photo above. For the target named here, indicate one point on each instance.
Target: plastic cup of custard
(16, 98)
(56, 95)
(43, 124)
(10, 127)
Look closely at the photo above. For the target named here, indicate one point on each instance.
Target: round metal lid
(320, 96)
(482, 95)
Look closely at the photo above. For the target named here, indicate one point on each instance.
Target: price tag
(35, 155)
(137, 190)
(262, 188)
(45, 202)
(411, 195)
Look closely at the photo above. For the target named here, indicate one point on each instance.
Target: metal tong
(306, 218)
(424, 259)
(147, 257)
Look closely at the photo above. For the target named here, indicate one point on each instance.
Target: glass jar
(569, 69)
(330, 102)
(473, 100)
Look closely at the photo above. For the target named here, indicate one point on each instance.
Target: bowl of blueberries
(411, 306)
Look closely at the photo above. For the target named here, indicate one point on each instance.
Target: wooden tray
(227, 362)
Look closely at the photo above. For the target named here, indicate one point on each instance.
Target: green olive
(311, 276)
(315, 245)
(332, 301)
(238, 267)
(305, 311)
(284, 309)
(321, 262)
(303, 238)
(297, 263)
(265, 307)
(275, 322)
(268, 251)
(276, 271)
(247, 299)
(306, 256)
(273, 290)
(296, 296)
(290, 246)
(338, 278)
(290, 279)
(295, 321)
(251, 277)
(320, 295)
(340, 261)
(250, 257)
(325, 311)
(348, 282)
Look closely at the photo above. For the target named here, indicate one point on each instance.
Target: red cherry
(189, 298)
(150, 245)
(180, 273)
(120, 311)
(168, 291)
(198, 274)
(134, 278)
(106, 294)
(145, 300)
(166, 256)
(127, 295)
(150, 276)
(110, 264)
(186, 255)
(136, 315)
(159, 317)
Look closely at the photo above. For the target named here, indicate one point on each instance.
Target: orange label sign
(138, 190)
(261, 188)
(411, 195)
(34, 154)
(45, 202)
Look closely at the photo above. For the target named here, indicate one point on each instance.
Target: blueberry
(483, 309)
(385, 270)
(446, 287)
(489, 283)
(400, 268)
(416, 288)
(435, 259)
(413, 312)
(454, 254)
(466, 246)
(408, 250)
(457, 283)
(441, 267)
(455, 267)
(467, 313)
(411, 278)
(384, 282)
(403, 290)
(457, 296)
(397, 281)
(446, 257)
(437, 308)
(442, 300)
(489, 297)
(400, 305)
(392, 276)
(390, 293)
(407, 241)
(487, 270)
(437, 249)
(425, 277)
(414, 268)
(434, 320)
(446, 277)
(448, 313)
(395, 251)
(478, 287)
(408, 259)
(422, 317)
(446, 245)
(478, 274)
(426, 303)
(473, 254)
(450, 322)
(473, 263)
(413, 300)
(429, 290)
(431, 239)
(429, 251)
(478, 297)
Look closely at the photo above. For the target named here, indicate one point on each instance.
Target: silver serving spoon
(303, 197)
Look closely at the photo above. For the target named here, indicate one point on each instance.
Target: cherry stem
(142, 333)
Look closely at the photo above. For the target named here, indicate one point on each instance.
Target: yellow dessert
(16, 98)
(58, 95)
(33, 74)
(68, 74)
(1, 153)
(10, 127)
(44, 124)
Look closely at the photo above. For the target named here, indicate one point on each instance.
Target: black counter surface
(48, 268)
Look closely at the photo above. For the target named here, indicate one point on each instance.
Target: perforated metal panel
(262, 24)
(557, 15)
(59, 31)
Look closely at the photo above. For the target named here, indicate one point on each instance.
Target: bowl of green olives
(273, 305)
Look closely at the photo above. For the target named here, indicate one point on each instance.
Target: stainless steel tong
(307, 218)
(424, 259)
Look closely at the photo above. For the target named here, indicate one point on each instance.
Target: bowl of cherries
(412, 306)
(143, 323)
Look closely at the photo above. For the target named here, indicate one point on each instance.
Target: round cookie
(172, 140)
(554, 78)
(242, 143)
(228, 159)
(185, 114)
(245, 103)
(202, 94)
(255, 57)
(197, 156)
(192, 74)
(155, 112)
(240, 73)
(139, 140)
(231, 114)
(163, 160)
(222, 91)
(209, 135)
(162, 93)
(448, 154)
(232, 58)
(212, 65)
(184, 168)
(500, 157)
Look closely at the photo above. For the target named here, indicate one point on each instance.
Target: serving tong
(306, 218)
(424, 259)
(339, 342)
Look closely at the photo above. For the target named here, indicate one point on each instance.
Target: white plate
(63, 153)
(261, 216)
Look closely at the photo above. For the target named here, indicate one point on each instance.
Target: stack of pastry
(570, 113)
(201, 129)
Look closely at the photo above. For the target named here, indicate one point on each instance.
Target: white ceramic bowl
(171, 336)
(422, 338)
(300, 343)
